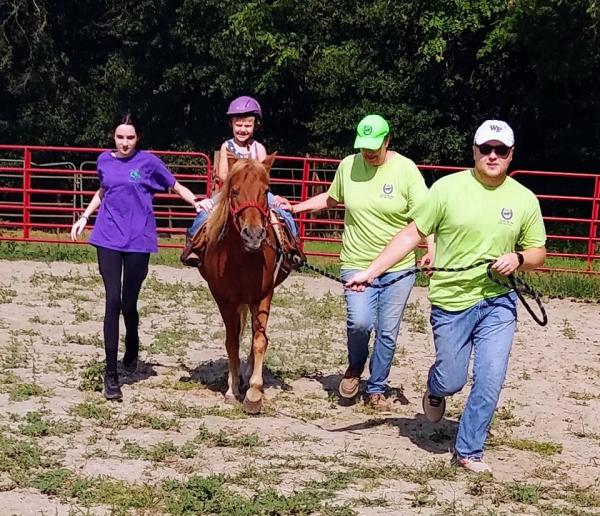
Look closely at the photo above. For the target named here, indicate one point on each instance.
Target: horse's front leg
(260, 317)
(231, 318)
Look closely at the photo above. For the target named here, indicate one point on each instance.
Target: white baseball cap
(494, 130)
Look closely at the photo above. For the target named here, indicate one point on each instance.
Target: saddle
(290, 255)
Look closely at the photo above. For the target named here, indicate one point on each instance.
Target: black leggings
(135, 270)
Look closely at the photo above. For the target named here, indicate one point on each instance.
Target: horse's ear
(231, 159)
(268, 161)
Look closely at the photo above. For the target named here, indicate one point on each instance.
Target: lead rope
(520, 286)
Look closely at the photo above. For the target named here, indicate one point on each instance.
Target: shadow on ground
(432, 437)
(213, 375)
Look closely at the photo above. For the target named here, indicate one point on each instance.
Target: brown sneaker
(194, 248)
(433, 406)
(350, 382)
(378, 402)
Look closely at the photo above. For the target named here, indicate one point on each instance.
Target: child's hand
(205, 204)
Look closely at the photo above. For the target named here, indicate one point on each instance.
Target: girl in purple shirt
(124, 236)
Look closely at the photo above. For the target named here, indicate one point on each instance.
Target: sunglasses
(501, 151)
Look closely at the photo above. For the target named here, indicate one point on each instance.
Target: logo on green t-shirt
(134, 175)
(506, 213)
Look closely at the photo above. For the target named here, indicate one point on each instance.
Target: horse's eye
(235, 192)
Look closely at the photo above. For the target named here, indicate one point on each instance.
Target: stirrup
(192, 254)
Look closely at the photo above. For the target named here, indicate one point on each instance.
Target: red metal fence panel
(570, 203)
(42, 189)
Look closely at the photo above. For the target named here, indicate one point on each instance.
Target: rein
(520, 286)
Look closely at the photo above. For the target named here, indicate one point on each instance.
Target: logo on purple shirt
(134, 175)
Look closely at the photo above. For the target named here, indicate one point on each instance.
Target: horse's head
(247, 187)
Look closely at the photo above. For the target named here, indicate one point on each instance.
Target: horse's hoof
(253, 401)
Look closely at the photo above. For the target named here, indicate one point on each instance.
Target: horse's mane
(220, 212)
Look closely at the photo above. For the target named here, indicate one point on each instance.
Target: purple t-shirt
(126, 221)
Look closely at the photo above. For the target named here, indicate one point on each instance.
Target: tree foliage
(434, 69)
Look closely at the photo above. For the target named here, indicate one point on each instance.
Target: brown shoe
(350, 382)
(188, 256)
(378, 402)
(194, 248)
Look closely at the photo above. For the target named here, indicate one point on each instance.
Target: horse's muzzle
(253, 238)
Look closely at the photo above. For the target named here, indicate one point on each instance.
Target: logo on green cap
(367, 130)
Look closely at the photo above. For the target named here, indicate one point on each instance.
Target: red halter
(244, 206)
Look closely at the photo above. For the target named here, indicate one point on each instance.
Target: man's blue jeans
(487, 329)
(380, 309)
(286, 215)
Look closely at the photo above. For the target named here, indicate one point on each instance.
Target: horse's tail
(243, 313)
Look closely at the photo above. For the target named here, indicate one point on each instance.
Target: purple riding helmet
(245, 106)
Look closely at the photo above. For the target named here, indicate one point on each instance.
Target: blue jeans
(486, 328)
(380, 309)
(284, 214)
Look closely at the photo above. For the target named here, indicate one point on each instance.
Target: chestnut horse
(239, 266)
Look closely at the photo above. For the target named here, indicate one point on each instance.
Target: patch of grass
(583, 396)
(174, 340)
(505, 416)
(159, 452)
(83, 340)
(14, 355)
(416, 317)
(92, 409)
(156, 422)
(36, 319)
(582, 497)
(81, 314)
(181, 410)
(19, 458)
(92, 376)
(35, 425)
(222, 439)
(518, 492)
(7, 295)
(543, 448)
(567, 330)
(52, 481)
(24, 391)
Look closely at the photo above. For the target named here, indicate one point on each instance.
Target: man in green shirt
(476, 214)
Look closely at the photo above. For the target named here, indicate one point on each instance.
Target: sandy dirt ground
(172, 425)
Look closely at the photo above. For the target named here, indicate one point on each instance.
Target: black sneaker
(112, 389)
(433, 406)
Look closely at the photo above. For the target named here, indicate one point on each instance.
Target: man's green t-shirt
(377, 202)
(472, 222)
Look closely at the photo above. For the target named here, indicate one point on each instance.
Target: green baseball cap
(371, 132)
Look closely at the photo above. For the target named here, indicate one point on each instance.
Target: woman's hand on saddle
(360, 281)
(282, 202)
(425, 262)
(78, 228)
(506, 264)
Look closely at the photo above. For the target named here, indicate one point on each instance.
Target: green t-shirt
(472, 222)
(377, 202)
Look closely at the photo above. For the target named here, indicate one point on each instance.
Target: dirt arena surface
(173, 447)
